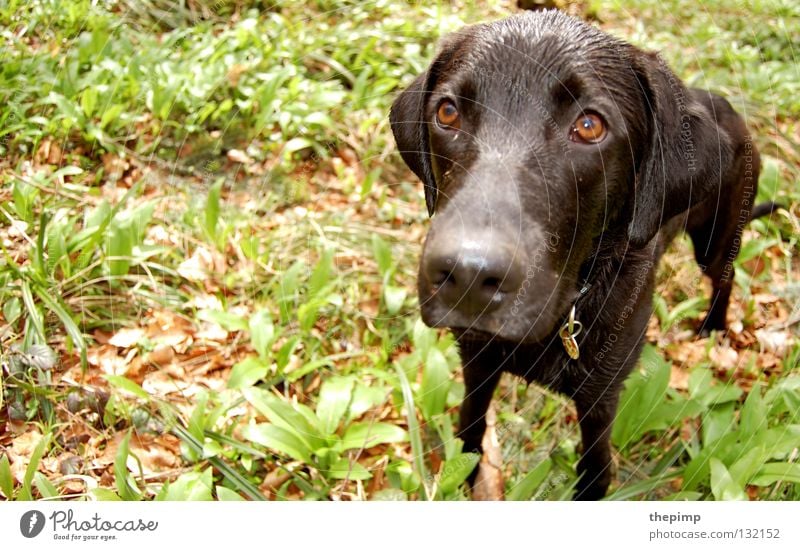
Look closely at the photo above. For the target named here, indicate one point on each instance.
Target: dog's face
(535, 138)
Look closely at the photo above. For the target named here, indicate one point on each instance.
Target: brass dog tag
(568, 333)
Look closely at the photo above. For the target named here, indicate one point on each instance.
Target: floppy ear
(685, 153)
(407, 118)
(411, 134)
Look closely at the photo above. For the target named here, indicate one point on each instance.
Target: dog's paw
(707, 327)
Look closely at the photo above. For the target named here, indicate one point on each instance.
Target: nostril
(443, 277)
(492, 284)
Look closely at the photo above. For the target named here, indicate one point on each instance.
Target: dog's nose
(473, 279)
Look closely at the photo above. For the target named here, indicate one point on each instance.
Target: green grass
(209, 253)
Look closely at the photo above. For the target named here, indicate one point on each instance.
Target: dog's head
(536, 137)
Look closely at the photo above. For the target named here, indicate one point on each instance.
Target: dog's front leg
(595, 416)
(479, 385)
(481, 375)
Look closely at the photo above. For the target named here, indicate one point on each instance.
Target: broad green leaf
(401, 475)
(36, 457)
(308, 313)
(211, 448)
(198, 418)
(364, 435)
(424, 338)
(66, 109)
(455, 471)
(700, 379)
(126, 384)
(661, 311)
(769, 180)
(435, 384)
(348, 469)
(334, 398)
(103, 494)
(119, 245)
(368, 182)
(285, 352)
(303, 370)
(6, 478)
(322, 275)
(657, 372)
(121, 475)
(722, 484)
(383, 256)
(287, 288)
(747, 466)
(697, 471)
(225, 494)
(785, 394)
(774, 472)
(638, 402)
(228, 321)
(628, 416)
(670, 413)
(24, 196)
(364, 399)
(64, 315)
(526, 488)
(12, 309)
(56, 247)
(686, 309)
(247, 372)
(43, 485)
(89, 100)
(212, 209)
(296, 144)
(753, 248)
(262, 333)
(110, 114)
(191, 486)
(719, 394)
(394, 297)
(717, 423)
(792, 401)
(292, 416)
(279, 440)
(34, 315)
(753, 416)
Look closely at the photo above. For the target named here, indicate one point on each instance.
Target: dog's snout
(474, 277)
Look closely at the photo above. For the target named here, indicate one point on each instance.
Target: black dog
(560, 162)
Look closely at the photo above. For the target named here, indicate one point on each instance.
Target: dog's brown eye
(447, 115)
(589, 128)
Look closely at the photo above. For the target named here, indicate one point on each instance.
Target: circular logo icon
(31, 523)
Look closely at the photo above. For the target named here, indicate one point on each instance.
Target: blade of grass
(6, 478)
(636, 489)
(33, 313)
(71, 327)
(121, 477)
(241, 483)
(414, 432)
(25, 492)
(236, 444)
(46, 489)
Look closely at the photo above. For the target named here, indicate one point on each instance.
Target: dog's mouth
(495, 326)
